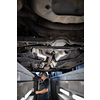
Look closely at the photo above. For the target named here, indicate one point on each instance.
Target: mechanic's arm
(38, 77)
(42, 91)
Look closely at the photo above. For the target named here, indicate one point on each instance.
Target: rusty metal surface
(60, 26)
(43, 8)
(48, 24)
(68, 7)
(51, 34)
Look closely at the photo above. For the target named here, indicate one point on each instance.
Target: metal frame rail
(71, 82)
(25, 83)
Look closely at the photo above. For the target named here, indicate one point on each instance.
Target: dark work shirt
(44, 85)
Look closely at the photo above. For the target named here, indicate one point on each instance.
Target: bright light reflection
(64, 91)
(77, 97)
(22, 98)
(27, 95)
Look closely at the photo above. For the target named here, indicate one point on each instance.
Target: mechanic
(43, 93)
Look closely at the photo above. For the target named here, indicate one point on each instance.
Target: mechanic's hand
(37, 92)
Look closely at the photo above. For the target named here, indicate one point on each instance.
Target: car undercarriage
(49, 36)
